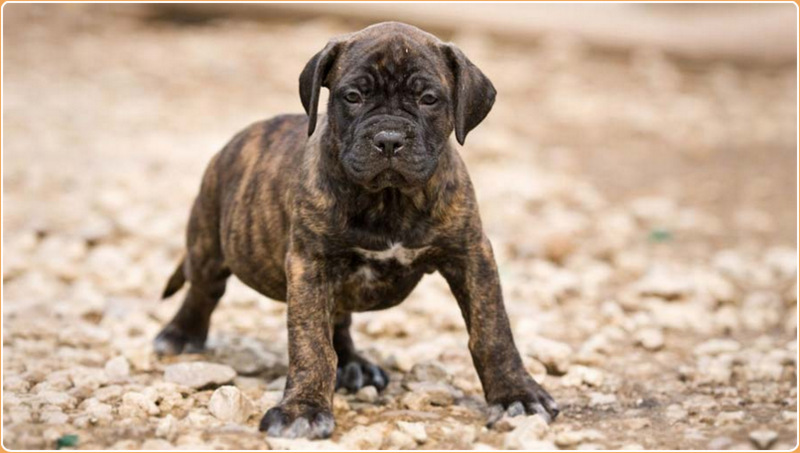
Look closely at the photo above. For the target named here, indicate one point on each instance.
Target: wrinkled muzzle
(388, 151)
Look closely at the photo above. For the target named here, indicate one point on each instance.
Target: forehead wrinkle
(419, 81)
(391, 61)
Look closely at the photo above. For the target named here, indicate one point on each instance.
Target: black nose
(388, 142)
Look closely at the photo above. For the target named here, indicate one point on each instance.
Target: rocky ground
(642, 209)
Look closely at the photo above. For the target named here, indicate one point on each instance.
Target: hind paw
(172, 340)
(358, 373)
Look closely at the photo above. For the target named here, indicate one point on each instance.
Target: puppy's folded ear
(313, 78)
(473, 92)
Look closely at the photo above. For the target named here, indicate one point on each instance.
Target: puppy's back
(244, 196)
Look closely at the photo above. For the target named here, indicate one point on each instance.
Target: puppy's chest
(385, 268)
(375, 279)
(396, 252)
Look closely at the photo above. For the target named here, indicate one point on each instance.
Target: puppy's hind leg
(188, 330)
(204, 268)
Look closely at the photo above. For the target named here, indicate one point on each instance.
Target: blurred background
(637, 177)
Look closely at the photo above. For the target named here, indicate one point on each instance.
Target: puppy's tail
(176, 281)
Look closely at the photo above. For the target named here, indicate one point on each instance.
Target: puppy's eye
(352, 97)
(428, 99)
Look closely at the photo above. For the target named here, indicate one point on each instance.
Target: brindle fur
(287, 214)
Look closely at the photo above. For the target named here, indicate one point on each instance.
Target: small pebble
(763, 438)
(368, 394)
(199, 374)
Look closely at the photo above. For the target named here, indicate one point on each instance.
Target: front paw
(533, 399)
(295, 420)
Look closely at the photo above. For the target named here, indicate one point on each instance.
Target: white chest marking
(365, 273)
(396, 251)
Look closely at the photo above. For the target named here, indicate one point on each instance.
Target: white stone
(666, 283)
(729, 418)
(367, 394)
(270, 399)
(245, 357)
(717, 287)
(601, 399)
(199, 374)
(555, 355)
(732, 264)
(676, 413)
(567, 439)
(506, 423)
(763, 438)
(19, 414)
(59, 399)
(717, 346)
(141, 357)
(118, 369)
(651, 339)
(137, 405)
(527, 435)
(98, 412)
(167, 427)
(431, 371)
(368, 437)
(720, 443)
(87, 378)
(398, 440)
(108, 393)
(579, 375)
(714, 370)
(15, 384)
(783, 261)
(53, 417)
(339, 402)
(228, 404)
(423, 394)
(400, 359)
(414, 429)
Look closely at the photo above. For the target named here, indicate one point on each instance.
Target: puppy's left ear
(473, 93)
(313, 78)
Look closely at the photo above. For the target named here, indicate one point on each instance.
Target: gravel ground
(642, 210)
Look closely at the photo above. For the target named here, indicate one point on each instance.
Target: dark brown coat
(346, 214)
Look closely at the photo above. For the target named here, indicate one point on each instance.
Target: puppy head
(397, 93)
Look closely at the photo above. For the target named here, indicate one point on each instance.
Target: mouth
(390, 177)
(377, 173)
(385, 179)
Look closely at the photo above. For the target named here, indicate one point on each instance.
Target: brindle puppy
(350, 220)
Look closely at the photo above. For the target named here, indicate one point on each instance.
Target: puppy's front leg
(507, 385)
(305, 410)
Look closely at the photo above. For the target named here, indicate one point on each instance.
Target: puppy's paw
(358, 373)
(298, 420)
(532, 400)
(172, 340)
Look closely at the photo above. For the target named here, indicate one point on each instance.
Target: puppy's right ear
(313, 78)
